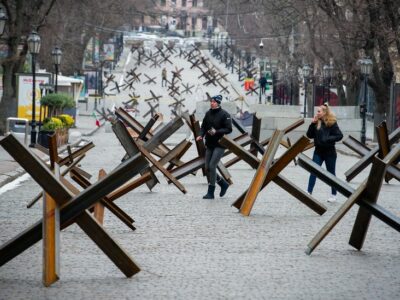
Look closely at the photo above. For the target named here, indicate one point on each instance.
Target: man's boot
(224, 186)
(210, 192)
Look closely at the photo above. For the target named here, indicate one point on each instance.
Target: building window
(163, 2)
(183, 3)
(194, 20)
(194, 3)
(173, 2)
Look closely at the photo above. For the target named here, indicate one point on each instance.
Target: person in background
(262, 82)
(216, 123)
(325, 132)
(164, 77)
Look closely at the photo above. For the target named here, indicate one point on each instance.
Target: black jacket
(325, 137)
(221, 121)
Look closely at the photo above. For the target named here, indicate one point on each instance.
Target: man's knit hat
(217, 98)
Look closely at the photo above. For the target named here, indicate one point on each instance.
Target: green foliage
(67, 120)
(51, 124)
(69, 102)
(57, 101)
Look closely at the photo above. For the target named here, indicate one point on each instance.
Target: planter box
(62, 137)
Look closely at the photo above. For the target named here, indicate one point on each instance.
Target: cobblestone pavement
(190, 248)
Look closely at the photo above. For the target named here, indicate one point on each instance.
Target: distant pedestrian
(325, 132)
(262, 82)
(164, 77)
(216, 123)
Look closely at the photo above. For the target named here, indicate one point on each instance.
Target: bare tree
(23, 16)
(68, 24)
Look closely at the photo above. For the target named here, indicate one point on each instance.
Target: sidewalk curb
(11, 176)
(90, 133)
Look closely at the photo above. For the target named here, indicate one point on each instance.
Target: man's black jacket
(221, 121)
(325, 137)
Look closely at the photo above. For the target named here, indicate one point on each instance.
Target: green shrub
(56, 102)
(67, 120)
(53, 100)
(51, 124)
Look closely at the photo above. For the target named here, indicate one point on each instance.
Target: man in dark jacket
(216, 123)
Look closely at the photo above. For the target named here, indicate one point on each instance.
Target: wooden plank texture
(261, 173)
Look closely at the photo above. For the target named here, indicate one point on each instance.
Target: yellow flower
(67, 120)
(57, 122)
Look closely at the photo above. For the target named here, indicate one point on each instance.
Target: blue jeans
(330, 163)
(212, 158)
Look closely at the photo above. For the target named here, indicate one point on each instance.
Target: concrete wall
(203, 106)
(268, 125)
(345, 112)
(262, 110)
(280, 116)
(293, 111)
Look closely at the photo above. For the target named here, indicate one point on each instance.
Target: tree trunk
(9, 104)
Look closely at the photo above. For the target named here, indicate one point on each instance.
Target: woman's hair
(329, 117)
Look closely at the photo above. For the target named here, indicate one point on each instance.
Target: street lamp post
(272, 68)
(222, 48)
(213, 45)
(241, 55)
(56, 54)
(366, 69)
(290, 74)
(306, 74)
(34, 47)
(261, 64)
(102, 61)
(233, 42)
(327, 73)
(226, 51)
(280, 80)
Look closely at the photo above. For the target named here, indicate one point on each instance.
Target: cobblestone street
(190, 248)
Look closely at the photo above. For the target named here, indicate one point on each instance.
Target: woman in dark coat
(325, 132)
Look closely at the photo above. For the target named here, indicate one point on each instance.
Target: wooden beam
(164, 133)
(335, 218)
(51, 240)
(363, 218)
(261, 174)
(131, 149)
(99, 207)
(188, 168)
(51, 225)
(367, 159)
(278, 166)
(255, 134)
(110, 247)
(105, 201)
(74, 207)
(36, 168)
(162, 169)
(364, 195)
(75, 154)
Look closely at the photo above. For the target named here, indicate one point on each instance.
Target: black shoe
(224, 187)
(210, 192)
